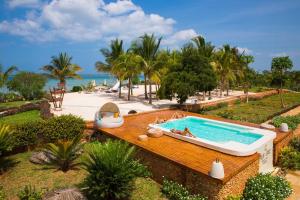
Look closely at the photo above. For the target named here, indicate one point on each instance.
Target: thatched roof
(110, 107)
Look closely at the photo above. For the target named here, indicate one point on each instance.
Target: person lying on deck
(185, 132)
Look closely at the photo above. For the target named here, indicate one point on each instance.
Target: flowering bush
(267, 187)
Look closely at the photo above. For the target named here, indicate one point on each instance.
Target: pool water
(213, 131)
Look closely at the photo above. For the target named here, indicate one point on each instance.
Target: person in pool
(185, 132)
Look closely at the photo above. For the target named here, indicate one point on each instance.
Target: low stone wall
(42, 105)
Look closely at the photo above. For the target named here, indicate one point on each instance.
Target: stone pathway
(294, 176)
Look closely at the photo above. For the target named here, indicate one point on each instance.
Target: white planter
(217, 170)
(284, 127)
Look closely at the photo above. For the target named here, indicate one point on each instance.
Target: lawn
(24, 173)
(27, 116)
(257, 111)
(14, 104)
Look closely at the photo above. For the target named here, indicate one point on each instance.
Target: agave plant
(6, 142)
(64, 153)
(111, 169)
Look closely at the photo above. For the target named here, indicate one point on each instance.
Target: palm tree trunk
(129, 88)
(150, 92)
(145, 84)
(120, 87)
(204, 97)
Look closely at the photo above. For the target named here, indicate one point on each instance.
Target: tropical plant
(289, 158)
(129, 65)
(2, 193)
(295, 143)
(64, 153)
(148, 47)
(204, 48)
(29, 85)
(111, 169)
(175, 191)
(280, 65)
(5, 74)
(111, 54)
(30, 193)
(292, 121)
(267, 187)
(62, 68)
(6, 139)
(248, 74)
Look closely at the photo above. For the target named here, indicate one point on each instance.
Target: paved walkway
(294, 176)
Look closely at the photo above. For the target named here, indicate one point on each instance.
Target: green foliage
(76, 89)
(228, 114)
(295, 143)
(5, 74)
(233, 198)
(64, 153)
(267, 187)
(192, 74)
(26, 134)
(30, 193)
(111, 169)
(175, 191)
(2, 194)
(63, 127)
(289, 158)
(9, 97)
(6, 139)
(28, 84)
(292, 121)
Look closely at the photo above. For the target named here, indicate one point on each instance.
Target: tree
(5, 74)
(129, 65)
(61, 68)
(111, 54)
(193, 74)
(280, 65)
(29, 85)
(147, 47)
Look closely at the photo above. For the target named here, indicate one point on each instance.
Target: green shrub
(175, 191)
(76, 88)
(292, 121)
(2, 194)
(64, 153)
(267, 187)
(26, 134)
(6, 139)
(30, 193)
(295, 143)
(237, 102)
(28, 84)
(111, 169)
(222, 105)
(9, 97)
(233, 197)
(228, 114)
(63, 127)
(289, 158)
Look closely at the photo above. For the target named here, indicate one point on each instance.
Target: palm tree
(61, 68)
(204, 48)
(5, 74)
(128, 64)
(222, 64)
(147, 47)
(111, 54)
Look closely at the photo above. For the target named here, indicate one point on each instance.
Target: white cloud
(91, 20)
(244, 50)
(23, 3)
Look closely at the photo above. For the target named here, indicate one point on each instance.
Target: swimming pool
(229, 138)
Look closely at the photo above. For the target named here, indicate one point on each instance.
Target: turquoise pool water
(213, 131)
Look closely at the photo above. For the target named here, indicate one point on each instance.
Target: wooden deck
(189, 155)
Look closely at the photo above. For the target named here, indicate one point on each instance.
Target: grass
(24, 173)
(28, 116)
(14, 104)
(257, 111)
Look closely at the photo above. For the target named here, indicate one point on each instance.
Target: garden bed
(28, 116)
(258, 111)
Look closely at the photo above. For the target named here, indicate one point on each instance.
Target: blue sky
(31, 31)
